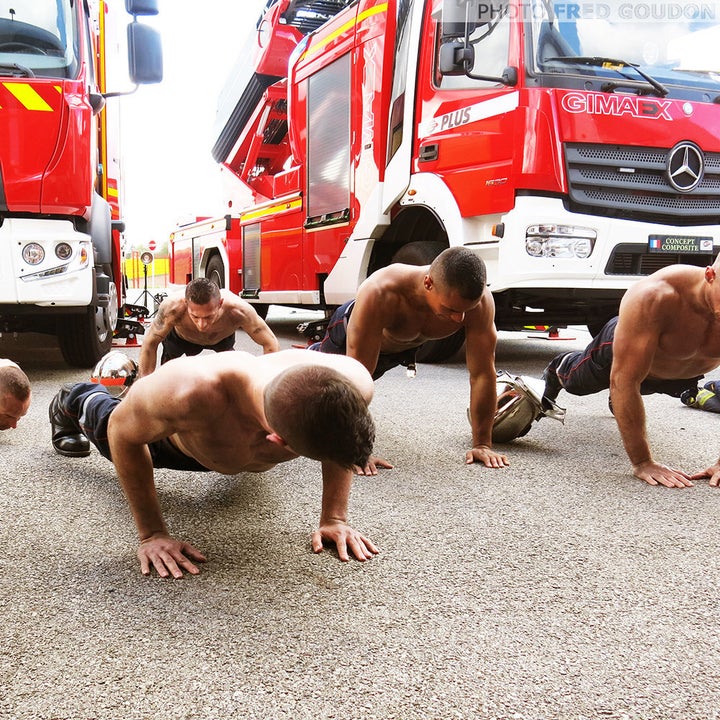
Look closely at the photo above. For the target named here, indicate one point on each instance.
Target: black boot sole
(65, 429)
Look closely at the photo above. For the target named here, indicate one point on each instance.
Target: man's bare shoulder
(230, 299)
(484, 311)
(172, 308)
(192, 383)
(235, 308)
(274, 363)
(393, 281)
(663, 289)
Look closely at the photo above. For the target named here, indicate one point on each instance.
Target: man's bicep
(634, 345)
(161, 325)
(480, 342)
(170, 313)
(364, 334)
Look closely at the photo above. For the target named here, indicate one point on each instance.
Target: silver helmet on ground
(116, 371)
(520, 403)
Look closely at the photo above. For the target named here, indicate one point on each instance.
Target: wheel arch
(416, 224)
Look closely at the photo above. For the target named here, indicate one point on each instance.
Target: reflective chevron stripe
(27, 96)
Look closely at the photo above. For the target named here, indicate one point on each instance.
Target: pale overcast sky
(167, 131)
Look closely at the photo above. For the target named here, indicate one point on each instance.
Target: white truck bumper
(53, 280)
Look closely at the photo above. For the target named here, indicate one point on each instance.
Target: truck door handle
(428, 152)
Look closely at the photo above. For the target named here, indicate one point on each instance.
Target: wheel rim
(106, 317)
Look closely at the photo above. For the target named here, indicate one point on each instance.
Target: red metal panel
(31, 118)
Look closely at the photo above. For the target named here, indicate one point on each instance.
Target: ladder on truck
(246, 85)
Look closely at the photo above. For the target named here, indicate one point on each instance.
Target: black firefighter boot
(67, 438)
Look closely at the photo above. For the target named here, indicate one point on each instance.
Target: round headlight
(63, 251)
(534, 247)
(33, 254)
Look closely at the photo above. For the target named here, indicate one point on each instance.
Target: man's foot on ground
(66, 436)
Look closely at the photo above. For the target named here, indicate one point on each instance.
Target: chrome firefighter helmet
(116, 371)
(520, 403)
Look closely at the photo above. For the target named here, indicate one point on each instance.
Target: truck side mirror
(141, 7)
(453, 57)
(510, 76)
(145, 62)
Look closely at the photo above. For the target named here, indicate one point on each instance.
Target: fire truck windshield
(669, 43)
(38, 38)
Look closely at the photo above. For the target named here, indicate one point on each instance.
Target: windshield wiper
(611, 64)
(16, 69)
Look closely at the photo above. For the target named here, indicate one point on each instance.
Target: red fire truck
(60, 225)
(574, 147)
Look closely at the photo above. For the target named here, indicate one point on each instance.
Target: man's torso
(689, 346)
(225, 325)
(689, 335)
(213, 407)
(409, 321)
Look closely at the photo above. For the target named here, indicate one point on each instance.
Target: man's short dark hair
(201, 291)
(320, 415)
(14, 382)
(460, 269)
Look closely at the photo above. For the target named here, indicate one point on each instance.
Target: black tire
(423, 253)
(261, 309)
(215, 271)
(81, 341)
(595, 326)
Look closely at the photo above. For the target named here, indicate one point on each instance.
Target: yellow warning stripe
(27, 96)
(272, 210)
(344, 28)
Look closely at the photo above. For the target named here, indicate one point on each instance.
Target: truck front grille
(634, 259)
(632, 182)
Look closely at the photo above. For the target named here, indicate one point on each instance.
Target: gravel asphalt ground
(557, 588)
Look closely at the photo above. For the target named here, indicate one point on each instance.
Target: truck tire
(215, 271)
(423, 252)
(261, 309)
(84, 339)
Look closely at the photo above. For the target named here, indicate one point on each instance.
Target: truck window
(679, 51)
(39, 36)
(492, 47)
(328, 149)
(400, 64)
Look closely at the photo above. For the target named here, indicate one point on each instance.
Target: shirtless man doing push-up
(228, 413)
(400, 307)
(203, 318)
(666, 337)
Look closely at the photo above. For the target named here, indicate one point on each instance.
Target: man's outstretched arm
(337, 482)
(254, 326)
(159, 329)
(635, 343)
(129, 431)
(480, 343)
